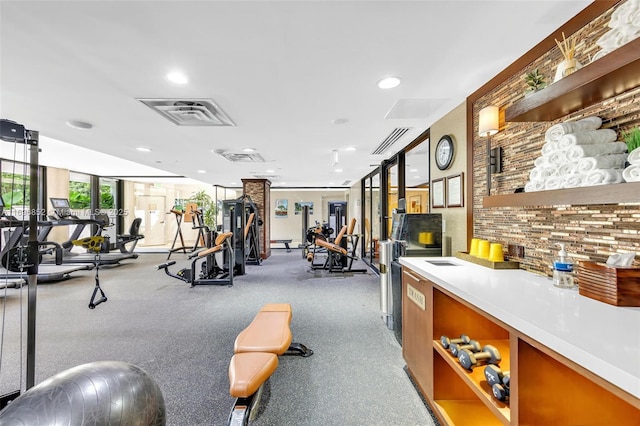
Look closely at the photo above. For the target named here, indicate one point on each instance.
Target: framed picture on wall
(282, 208)
(455, 190)
(437, 193)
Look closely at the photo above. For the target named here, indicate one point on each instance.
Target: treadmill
(63, 217)
(14, 230)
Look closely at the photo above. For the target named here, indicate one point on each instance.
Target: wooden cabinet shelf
(601, 194)
(475, 378)
(546, 387)
(609, 76)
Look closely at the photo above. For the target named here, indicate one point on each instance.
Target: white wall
(290, 226)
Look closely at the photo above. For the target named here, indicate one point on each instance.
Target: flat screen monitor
(61, 206)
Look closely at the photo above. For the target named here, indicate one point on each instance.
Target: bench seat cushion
(268, 332)
(247, 371)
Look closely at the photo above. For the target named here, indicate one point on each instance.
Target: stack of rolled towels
(632, 172)
(579, 153)
(625, 26)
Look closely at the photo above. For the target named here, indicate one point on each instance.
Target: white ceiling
(283, 71)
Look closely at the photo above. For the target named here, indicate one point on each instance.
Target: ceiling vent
(267, 177)
(189, 112)
(241, 157)
(393, 137)
(346, 182)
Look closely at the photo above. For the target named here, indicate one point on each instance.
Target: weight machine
(211, 265)
(242, 218)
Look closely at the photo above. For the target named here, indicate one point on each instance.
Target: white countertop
(602, 338)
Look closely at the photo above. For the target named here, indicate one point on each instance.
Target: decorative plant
(632, 138)
(208, 206)
(535, 80)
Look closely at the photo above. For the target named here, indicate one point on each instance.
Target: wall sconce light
(489, 124)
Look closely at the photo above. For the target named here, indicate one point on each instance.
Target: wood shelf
(584, 196)
(475, 378)
(609, 76)
(546, 387)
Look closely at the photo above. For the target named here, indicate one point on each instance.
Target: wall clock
(444, 152)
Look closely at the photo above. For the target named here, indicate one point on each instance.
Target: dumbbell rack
(546, 388)
(474, 380)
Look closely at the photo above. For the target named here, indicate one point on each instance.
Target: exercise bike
(206, 269)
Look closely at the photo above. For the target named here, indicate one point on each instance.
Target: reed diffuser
(569, 65)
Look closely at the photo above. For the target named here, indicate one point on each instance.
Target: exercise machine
(237, 218)
(15, 249)
(178, 214)
(132, 237)
(62, 217)
(211, 265)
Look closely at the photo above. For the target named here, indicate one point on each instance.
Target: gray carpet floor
(183, 337)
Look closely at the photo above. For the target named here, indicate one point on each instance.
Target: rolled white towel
(567, 168)
(534, 185)
(573, 181)
(631, 173)
(610, 161)
(602, 177)
(634, 156)
(554, 182)
(586, 138)
(624, 14)
(549, 148)
(542, 173)
(555, 132)
(579, 151)
(557, 158)
(542, 161)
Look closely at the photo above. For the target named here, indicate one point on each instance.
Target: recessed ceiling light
(350, 148)
(143, 149)
(202, 171)
(248, 150)
(389, 82)
(177, 77)
(338, 170)
(340, 120)
(270, 171)
(81, 125)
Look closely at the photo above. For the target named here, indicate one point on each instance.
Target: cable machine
(242, 217)
(11, 131)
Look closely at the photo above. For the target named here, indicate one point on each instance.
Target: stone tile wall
(590, 232)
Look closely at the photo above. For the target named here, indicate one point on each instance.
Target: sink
(442, 263)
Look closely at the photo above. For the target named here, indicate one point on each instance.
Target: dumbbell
(489, 354)
(445, 341)
(502, 390)
(494, 375)
(473, 346)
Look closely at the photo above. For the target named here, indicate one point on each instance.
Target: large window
(80, 193)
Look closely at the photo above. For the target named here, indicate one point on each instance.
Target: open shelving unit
(609, 76)
(546, 388)
(601, 194)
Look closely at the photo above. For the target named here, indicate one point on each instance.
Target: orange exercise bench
(256, 350)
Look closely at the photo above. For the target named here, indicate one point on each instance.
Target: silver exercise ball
(97, 393)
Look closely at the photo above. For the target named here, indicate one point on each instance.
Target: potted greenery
(208, 206)
(632, 138)
(535, 81)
